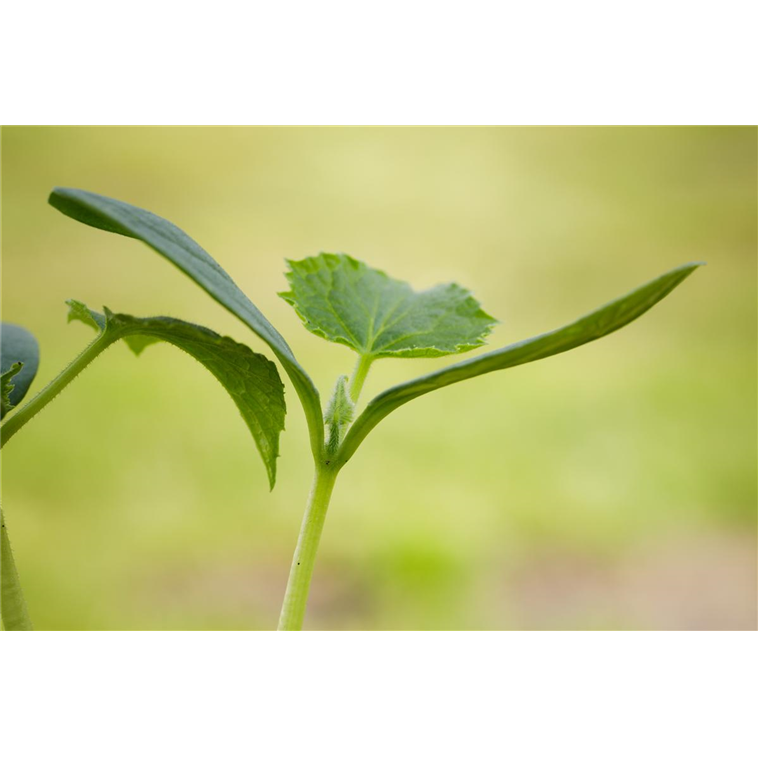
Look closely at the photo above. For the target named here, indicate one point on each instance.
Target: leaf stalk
(21, 417)
(362, 367)
(15, 616)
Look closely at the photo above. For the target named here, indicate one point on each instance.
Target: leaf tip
(687, 269)
(54, 195)
(695, 264)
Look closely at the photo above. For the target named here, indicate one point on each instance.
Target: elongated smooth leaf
(17, 345)
(251, 380)
(13, 612)
(345, 301)
(171, 242)
(593, 326)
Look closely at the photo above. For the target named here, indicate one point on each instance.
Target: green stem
(359, 376)
(13, 612)
(298, 585)
(21, 417)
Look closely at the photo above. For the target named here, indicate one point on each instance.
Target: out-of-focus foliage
(137, 503)
(19, 360)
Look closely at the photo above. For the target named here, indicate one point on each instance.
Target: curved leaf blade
(250, 379)
(17, 346)
(596, 325)
(172, 243)
(346, 301)
(14, 615)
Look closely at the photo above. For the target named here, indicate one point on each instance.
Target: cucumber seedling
(337, 298)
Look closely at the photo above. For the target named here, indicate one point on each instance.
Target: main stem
(298, 585)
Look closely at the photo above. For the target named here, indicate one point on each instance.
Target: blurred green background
(612, 487)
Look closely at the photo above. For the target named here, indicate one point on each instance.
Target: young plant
(341, 300)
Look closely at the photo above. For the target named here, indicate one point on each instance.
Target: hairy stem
(298, 585)
(21, 417)
(13, 612)
(362, 368)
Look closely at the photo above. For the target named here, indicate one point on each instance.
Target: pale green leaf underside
(171, 242)
(251, 380)
(593, 326)
(13, 613)
(345, 301)
(17, 345)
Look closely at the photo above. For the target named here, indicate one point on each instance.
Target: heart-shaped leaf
(345, 301)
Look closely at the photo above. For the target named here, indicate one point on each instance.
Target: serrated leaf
(345, 301)
(17, 345)
(597, 324)
(13, 613)
(171, 242)
(250, 379)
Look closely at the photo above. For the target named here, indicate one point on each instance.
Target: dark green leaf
(171, 242)
(345, 301)
(17, 345)
(593, 326)
(251, 380)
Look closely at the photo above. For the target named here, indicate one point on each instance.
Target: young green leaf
(593, 326)
(171, 242)
(17, 346)
(345, 301)
(339, 414)
(251, 380)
